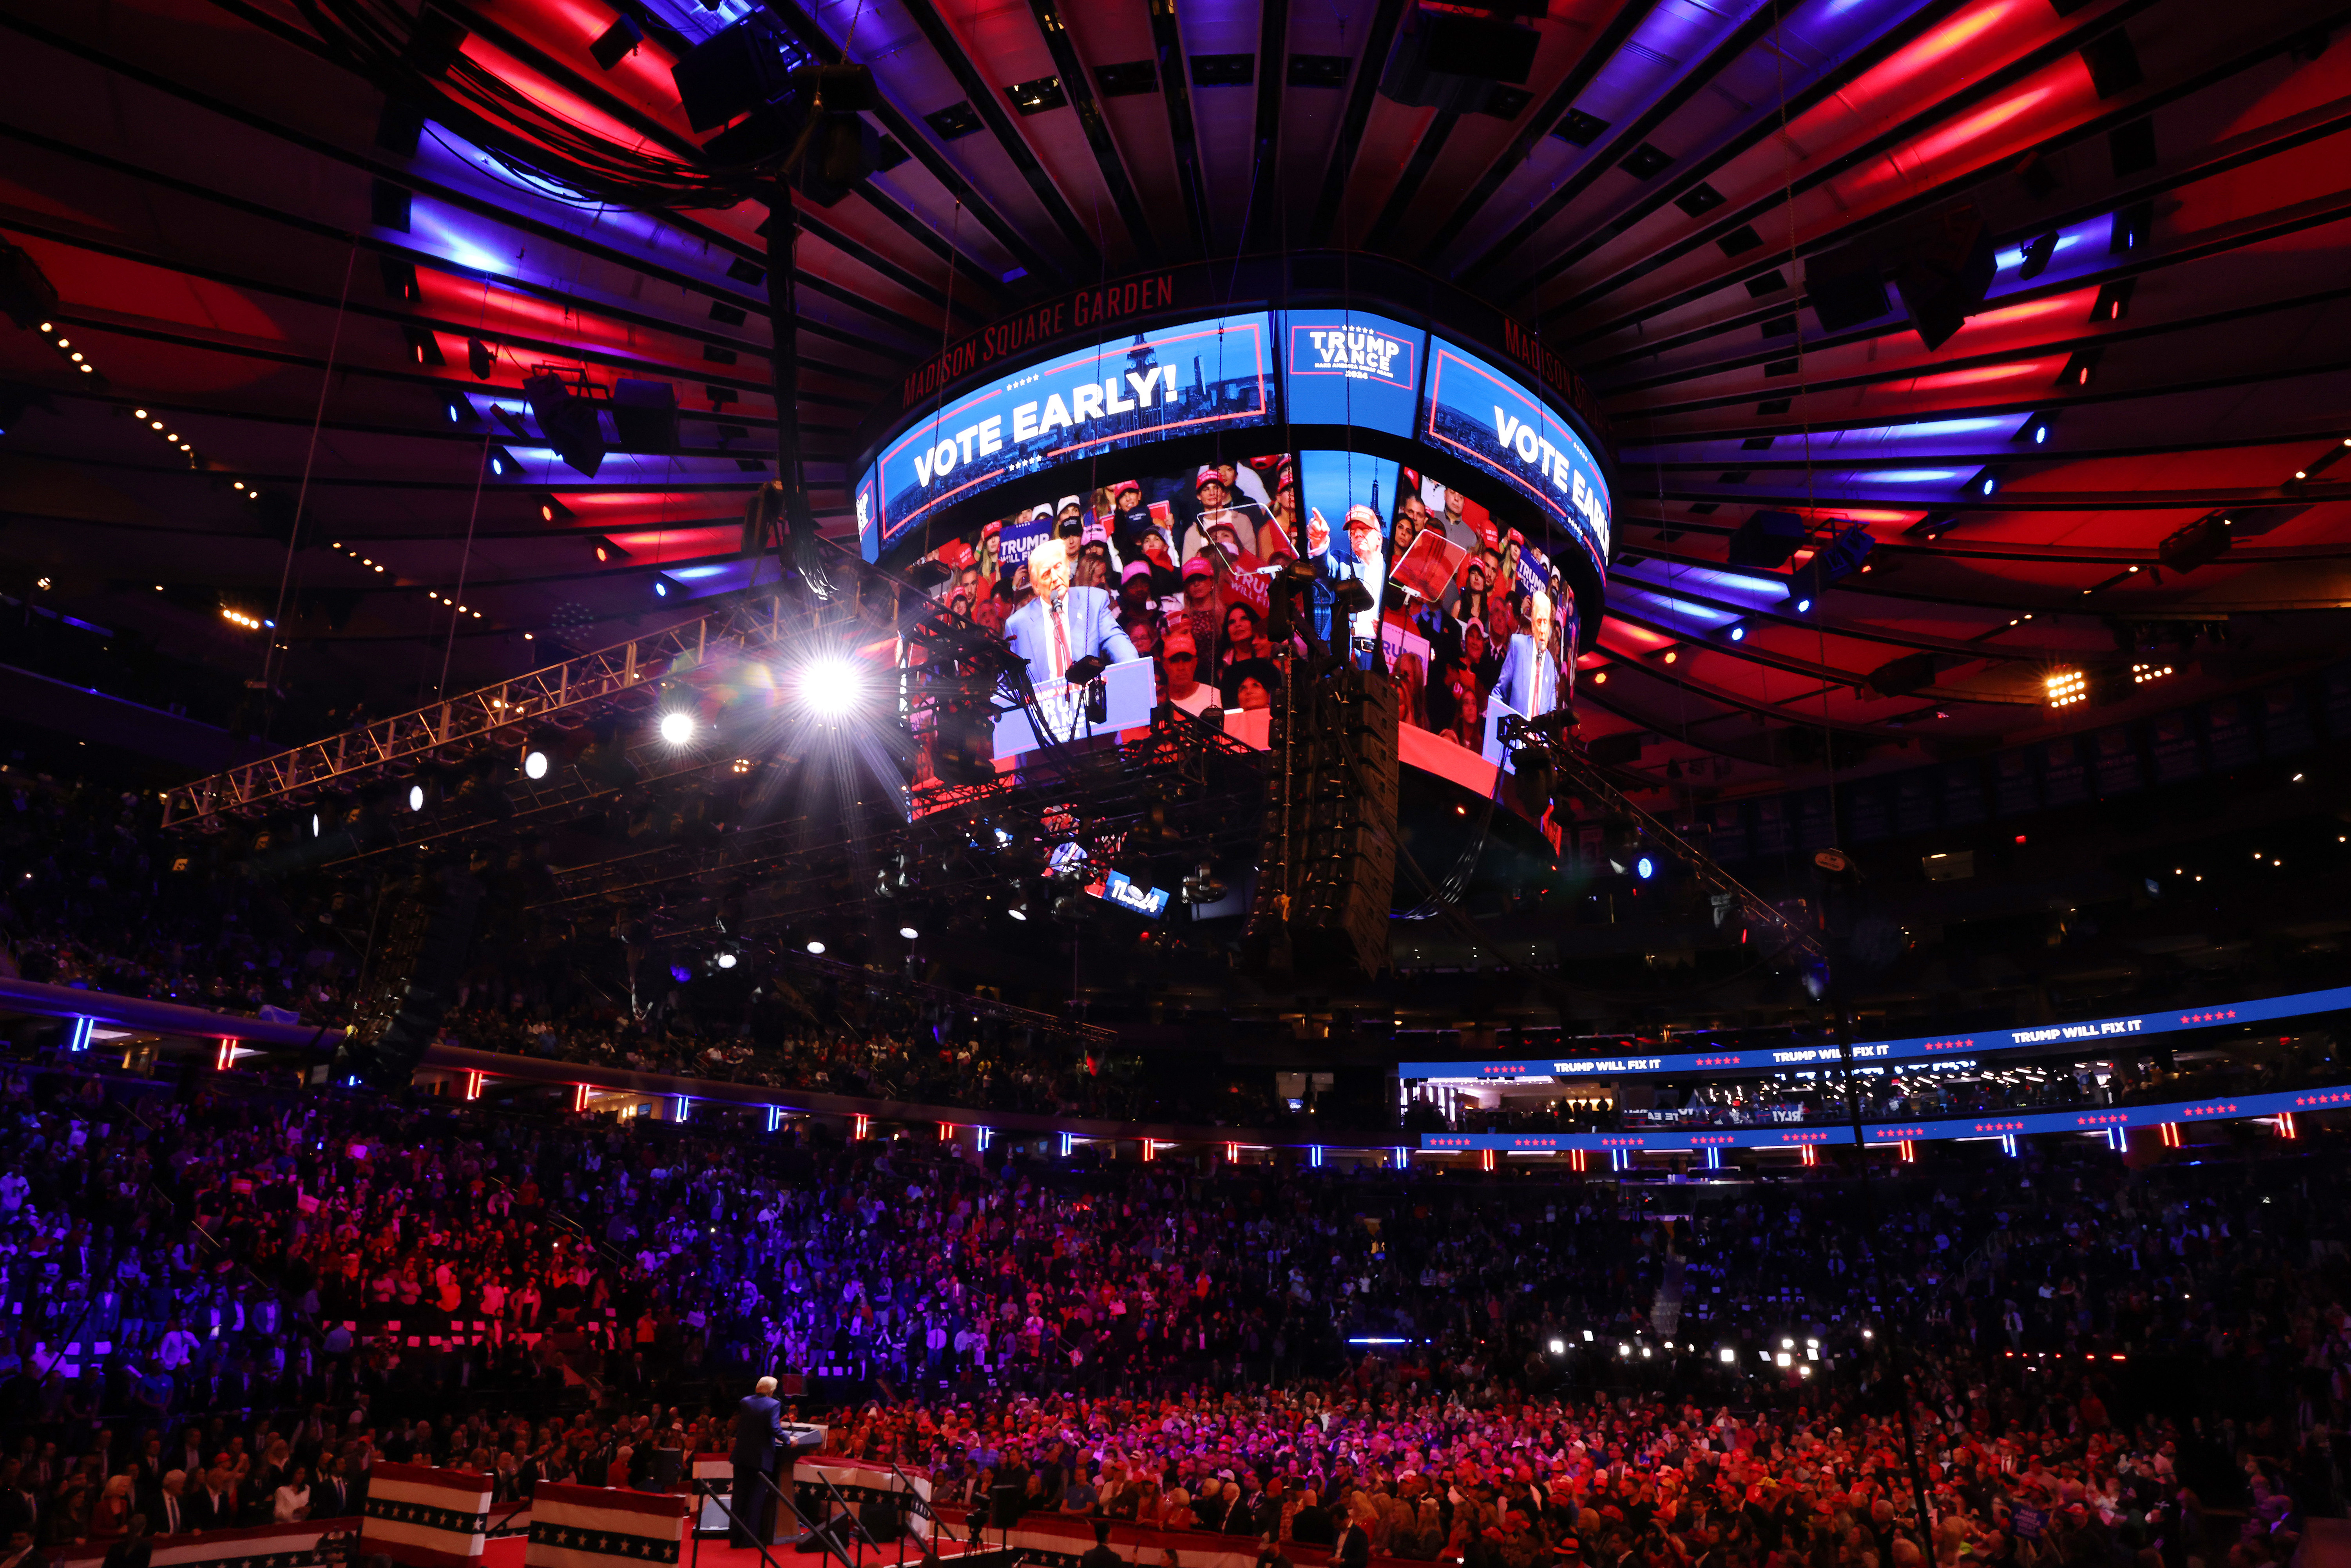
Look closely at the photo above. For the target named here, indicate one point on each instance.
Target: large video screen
(1488, 418)
(1198, 376)
(1179, 556)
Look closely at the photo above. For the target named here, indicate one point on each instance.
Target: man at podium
(1064, 624)
(759, 1439)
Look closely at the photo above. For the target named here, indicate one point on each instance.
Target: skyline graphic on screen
(1140, 387)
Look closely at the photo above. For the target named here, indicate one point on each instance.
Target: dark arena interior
(1190, 783)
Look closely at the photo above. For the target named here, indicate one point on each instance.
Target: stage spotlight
(829, 686)
(677, 728)
(416, 797)
(725, 960)
(1644, 868)
(817, 949)
(661, 589)
(1016, 913)
(502, 462)
(478, 358)
(908, 932)
(534, 765)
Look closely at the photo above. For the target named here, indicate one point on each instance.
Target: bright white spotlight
(829, 686)
(908, 932)
(1021, 914)
(534, 765)
(725, 960)
(416, 797)
(817, 948)
(1559, 1347)
(677, 728)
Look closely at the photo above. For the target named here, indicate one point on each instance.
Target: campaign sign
(1131, 690)
(1352, 368)
(1200, 375)
(1491, 421)
(1430, 565)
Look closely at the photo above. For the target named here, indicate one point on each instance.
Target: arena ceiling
(231, 217)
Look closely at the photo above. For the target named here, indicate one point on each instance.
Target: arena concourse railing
(469, 1072)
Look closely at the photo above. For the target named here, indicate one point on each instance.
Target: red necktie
(1060, 642)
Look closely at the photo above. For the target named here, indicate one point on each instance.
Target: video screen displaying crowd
(227, 1306)
(1464, 604)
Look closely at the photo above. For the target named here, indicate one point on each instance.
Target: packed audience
(1817, 1100)
(228, 1308)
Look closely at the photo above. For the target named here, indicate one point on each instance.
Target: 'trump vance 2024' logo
(1358, 353)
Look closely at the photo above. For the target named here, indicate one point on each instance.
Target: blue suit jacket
(1530, 678)
(758, 1431)
(1092, 618)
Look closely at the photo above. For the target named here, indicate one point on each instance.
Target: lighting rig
(1546, 765)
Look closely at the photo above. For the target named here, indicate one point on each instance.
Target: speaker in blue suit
(1089, 619)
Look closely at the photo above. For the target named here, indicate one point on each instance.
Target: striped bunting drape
(603, 1527)
(425, 1517)
(311, 1543)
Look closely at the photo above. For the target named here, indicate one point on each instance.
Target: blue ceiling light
(1739, 633)
(1803, 605)
(1644, 868)
(502, 464)
(661, 589)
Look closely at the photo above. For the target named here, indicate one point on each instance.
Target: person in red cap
(1202, 611)
(1181, 656)
(1213, 488)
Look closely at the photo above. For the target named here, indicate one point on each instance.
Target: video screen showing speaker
(1183, 560)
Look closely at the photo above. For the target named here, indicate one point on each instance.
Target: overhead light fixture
(534, 765)
(677, 727)
(2066, 688)
(908, 932)
(616, 43)
(502, 462)
(829, 686)
(479, 360)
(568, 419)
(725, 960)
(416, 797)
(817, 949)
